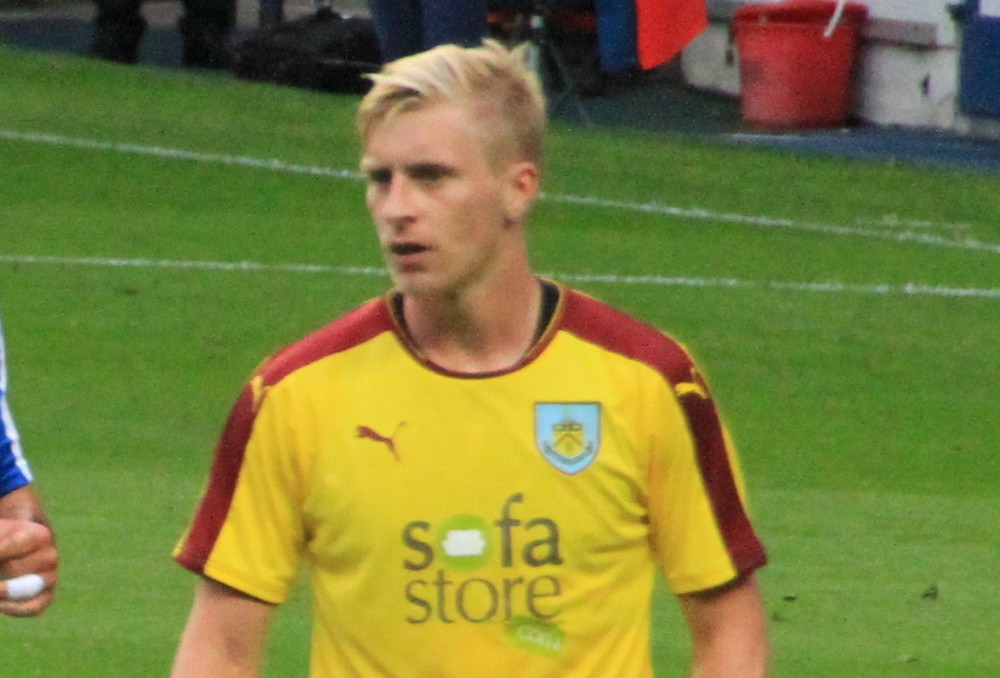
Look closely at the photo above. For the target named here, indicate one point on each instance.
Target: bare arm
(27, 546)
(728, 631)
(224, 636)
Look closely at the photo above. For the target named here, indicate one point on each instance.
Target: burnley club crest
(568, 434)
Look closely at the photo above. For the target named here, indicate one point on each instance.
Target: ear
(520, 190)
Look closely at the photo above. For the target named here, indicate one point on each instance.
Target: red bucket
(795, 72)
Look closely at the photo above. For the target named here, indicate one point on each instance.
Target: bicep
(728, 629)
(225, 634)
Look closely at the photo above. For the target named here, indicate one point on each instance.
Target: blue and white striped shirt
(14, 470)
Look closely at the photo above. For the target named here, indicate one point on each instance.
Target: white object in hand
(24, 587)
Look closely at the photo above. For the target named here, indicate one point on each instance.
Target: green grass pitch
(160, 233)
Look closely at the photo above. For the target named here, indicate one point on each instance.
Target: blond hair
(494, 82)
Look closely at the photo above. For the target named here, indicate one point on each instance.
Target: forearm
(23, 504)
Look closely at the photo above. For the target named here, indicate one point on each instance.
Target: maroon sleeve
(615, 331)
(357, 327)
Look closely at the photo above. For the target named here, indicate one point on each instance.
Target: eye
(430, 172)
(380, 176)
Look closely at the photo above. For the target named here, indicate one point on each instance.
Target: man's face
(441, 211)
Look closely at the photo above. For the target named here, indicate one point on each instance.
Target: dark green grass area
(864, 412)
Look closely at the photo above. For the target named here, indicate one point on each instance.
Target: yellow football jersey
(505, 524)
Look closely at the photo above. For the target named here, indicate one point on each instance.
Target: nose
(393, 201)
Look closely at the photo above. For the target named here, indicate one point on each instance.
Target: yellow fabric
(440, 539)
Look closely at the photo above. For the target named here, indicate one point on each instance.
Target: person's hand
(26, 548)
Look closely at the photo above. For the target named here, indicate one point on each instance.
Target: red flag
(665, 27)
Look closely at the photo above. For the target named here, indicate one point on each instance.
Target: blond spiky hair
(494, 81)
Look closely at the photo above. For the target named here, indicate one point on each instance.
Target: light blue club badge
(568, 434)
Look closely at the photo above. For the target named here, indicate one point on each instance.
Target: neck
(480, 331)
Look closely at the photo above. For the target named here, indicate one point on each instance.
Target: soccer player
(483, 470)
(28, 556)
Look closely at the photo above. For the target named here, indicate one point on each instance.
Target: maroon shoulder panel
(351, 330)
(615, 331)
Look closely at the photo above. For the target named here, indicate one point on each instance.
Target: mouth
(407, 256)
(402, 249)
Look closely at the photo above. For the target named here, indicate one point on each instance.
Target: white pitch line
(202, 265)
(177, 154)
(911, 234)
(908, 289)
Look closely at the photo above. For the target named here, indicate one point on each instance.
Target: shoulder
(357, 327)
(613, 330)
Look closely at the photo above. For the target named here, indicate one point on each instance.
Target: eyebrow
(430, 170)
(417, 170)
